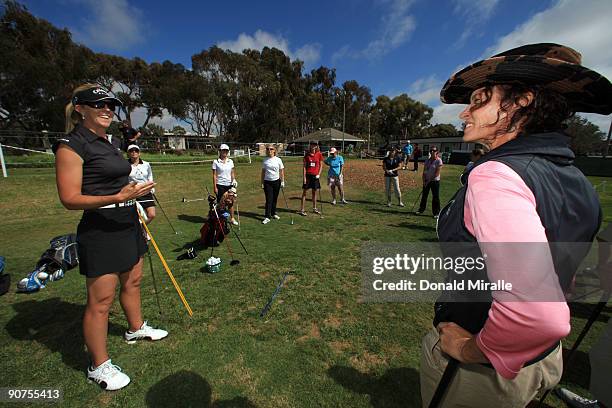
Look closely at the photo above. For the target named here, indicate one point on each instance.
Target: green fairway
(318, 345)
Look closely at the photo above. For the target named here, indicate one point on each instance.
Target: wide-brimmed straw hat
(548, 65)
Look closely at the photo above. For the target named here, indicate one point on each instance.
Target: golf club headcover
(190, 254)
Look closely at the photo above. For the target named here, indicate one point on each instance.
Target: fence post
(249, 150)
(2, 161)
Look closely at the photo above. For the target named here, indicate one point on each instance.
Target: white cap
(224, 147)
(333, 150)
(133, 146)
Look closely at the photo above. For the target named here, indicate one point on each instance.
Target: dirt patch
(105, 399)
(333, 322)
(313, 333)
(366, 361)
(264, 274)
(369, 174)
(339, 346)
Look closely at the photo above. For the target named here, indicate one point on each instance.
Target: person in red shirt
(312, 173)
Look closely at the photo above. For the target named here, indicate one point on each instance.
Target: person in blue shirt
(335, 177)
(407, 151)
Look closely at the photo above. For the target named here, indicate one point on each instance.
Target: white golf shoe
(265, 221)
(108, 376)
(276, 217)
(145, 332)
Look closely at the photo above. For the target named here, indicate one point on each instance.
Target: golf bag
(53, 263)
(215, 228)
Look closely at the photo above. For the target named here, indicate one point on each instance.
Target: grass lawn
(318, 345)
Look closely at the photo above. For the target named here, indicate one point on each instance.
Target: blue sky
(391, 46)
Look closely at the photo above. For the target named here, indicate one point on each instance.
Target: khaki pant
(476, 385)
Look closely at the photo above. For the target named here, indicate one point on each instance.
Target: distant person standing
(391, 165)
(431, 181)
(272, 180)
(407, 151)
(335, 176)
(416, 155)
(224, 176)
(130, 136)
(311, 174)
(474, 157)
(142, 173)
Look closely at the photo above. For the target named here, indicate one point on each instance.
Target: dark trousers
(271, 190)
(416, 164)
(434, 186)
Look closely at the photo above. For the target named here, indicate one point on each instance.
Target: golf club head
(234, 262)
(183, 199)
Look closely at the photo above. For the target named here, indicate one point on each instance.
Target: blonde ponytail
(73, 117)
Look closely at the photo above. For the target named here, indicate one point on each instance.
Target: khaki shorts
(477, 385)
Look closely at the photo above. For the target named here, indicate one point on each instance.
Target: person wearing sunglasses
(92, 175)
(272, 180)
(224, 177)
(431, 182)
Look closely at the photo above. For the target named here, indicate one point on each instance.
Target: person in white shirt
(142, 173)
(224, 176)
(272, 180)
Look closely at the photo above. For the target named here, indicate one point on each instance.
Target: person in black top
(92, 175)
(130, 136)
(391, 164)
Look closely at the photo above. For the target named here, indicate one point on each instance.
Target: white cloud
(309, 53)
(475, 14)
(602, 121)
(426, 90)
(582, 25)
(112, 24)
(397, 26)
(448, 114)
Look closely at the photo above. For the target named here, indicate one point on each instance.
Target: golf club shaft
(276, 292)
(154, 282)
(287, 204)
(447, 377)
(240, 241)
(164, 212)
(166, 267)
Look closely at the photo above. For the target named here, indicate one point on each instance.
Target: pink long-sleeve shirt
(500, 208)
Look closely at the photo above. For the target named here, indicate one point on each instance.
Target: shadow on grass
(397, 387)
(188, 389)
(56, 325)
(191, 218)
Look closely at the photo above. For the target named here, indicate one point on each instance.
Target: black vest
(566, 203)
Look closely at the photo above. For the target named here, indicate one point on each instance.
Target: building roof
(328, 135)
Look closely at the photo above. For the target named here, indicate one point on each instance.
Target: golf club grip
(447, 377)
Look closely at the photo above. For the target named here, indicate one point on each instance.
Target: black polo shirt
(105, 170)
(391, 163)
